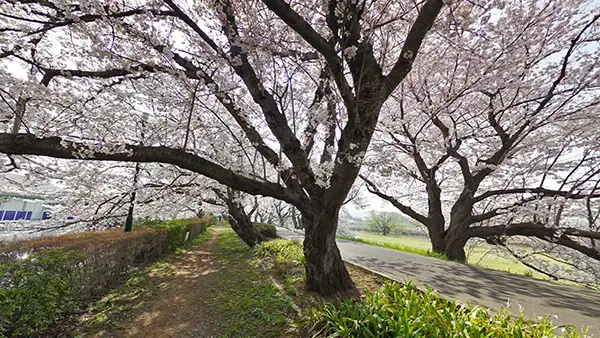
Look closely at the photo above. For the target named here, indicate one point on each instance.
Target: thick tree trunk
(325, 270)
(436, 222)
(455, 245)
(457, 235)
(438, 242)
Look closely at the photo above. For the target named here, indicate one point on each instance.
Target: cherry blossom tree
(494, 133)
(302, 82)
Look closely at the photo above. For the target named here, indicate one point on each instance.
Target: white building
(15, 207)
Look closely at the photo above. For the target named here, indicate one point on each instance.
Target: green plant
(37, 290)
(44, 279)
(267, 230)
(177, 230)
(404, 311)
(251, 305)
(282, 251)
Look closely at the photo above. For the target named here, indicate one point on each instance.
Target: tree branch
(410, 49)
(27, 144)
(542, 192)
(276, 120)
(305, 30)
(372, 188)
(553, 235)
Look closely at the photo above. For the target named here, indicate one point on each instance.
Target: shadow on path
(179, 304)
(489, 288)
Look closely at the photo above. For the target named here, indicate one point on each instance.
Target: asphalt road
(474, 285)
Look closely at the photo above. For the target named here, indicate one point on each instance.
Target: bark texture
(325, 270)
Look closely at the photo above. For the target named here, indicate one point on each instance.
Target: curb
(281, 290)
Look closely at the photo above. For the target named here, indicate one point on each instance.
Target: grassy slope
(483, 255)
(391, 310)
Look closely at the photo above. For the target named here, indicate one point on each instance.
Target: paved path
(467, 283)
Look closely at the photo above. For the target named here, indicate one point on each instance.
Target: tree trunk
(129, 219)
(438, 242)
(238, 218)
(458, 232)
(245, 230)
(325, 270)
(456, 239)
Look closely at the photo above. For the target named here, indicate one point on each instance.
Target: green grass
(482, 255)
(251, 305)
(388, 243)
(397, 310)
(285, 261)
(282, 251)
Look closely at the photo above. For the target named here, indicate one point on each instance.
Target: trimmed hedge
(43, 279)
(177, 230)
(268, 231)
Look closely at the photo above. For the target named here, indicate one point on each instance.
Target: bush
(404, 311)
(37, 290)
(45, 278)
(267, 230)
(282, 251)
(177, 230)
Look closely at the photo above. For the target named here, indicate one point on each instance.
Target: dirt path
(180, 304)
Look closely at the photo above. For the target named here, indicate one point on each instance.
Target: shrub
(282, 250)
(45, 278)
(267, 230)
(404, 311)
(177, 230)
(285, 256)
(38, 289)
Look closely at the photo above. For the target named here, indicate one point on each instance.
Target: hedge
(43, 279)
(267, 230)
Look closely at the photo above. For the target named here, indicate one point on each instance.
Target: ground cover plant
(390, 309)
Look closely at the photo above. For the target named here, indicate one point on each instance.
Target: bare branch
(403, 208)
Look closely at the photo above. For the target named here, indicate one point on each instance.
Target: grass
(397, 310)
(243, 301)
(389, 309)
(483, 255)
(251, 304)
(400, 247)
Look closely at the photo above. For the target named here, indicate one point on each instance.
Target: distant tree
(501, 144)
(344, 223)
(385, 222)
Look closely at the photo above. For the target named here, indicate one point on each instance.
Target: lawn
(483, 255)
